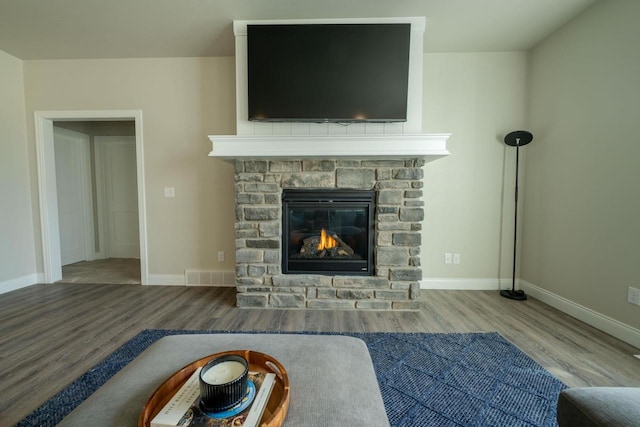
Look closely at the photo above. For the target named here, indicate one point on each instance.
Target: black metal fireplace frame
(305, 198)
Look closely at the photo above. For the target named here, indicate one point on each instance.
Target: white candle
(223, 372)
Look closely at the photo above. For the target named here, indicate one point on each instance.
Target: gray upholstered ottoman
(332, 381)
(599, 406)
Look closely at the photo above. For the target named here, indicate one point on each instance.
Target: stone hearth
(395, 284)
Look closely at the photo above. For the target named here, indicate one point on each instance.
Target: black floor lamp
(517, 138)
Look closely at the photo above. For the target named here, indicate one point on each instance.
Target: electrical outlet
(220, 255)
(448, 258)
(633, 296)
(456, 258)
(169, 192)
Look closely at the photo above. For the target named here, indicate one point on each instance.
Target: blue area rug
(473, 379)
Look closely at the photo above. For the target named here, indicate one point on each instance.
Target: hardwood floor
(108, 270)
(51, 334)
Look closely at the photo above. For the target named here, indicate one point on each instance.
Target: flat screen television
(340, 73)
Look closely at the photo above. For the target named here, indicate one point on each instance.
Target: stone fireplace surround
(399, 212)
(392, 165)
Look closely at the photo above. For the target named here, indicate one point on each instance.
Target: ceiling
(75, 29)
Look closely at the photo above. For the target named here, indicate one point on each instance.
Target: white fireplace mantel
(424, 146)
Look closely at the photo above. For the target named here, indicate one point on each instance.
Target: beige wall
(182, 101)
(17, 252)
(478, 97)
(582, 195)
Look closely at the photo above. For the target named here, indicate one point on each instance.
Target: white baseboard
(228, 279)
(21, 282)
(620, 330)
(465, 284)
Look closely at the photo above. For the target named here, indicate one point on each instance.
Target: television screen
(328, 72)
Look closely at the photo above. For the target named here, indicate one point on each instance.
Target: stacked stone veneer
(395, 284)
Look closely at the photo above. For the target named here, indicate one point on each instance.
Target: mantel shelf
(425, 146)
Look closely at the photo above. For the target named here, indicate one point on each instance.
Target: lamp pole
(516, 139)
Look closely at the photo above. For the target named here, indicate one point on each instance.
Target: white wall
(469, 202)
(17, 252)
(581, 230)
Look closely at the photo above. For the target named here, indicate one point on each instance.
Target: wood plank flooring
(109, 270)
(51, 334)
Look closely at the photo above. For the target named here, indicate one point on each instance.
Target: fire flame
(326, 241)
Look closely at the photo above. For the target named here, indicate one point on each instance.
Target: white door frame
(47, 192)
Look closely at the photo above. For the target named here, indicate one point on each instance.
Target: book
(260, 401)
(183, 409)
(180, 403)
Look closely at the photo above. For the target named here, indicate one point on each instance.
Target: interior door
(120, 195)
(73, 184)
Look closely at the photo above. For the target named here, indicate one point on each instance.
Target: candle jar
(223, 382)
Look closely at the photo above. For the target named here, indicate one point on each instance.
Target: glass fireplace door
(328, 232)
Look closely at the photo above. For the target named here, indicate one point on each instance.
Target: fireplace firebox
(328, 232)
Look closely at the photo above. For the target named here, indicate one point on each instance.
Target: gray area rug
(470, 379)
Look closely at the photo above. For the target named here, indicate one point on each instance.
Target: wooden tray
(277, 406)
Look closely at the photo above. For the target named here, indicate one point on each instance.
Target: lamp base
(514, 294)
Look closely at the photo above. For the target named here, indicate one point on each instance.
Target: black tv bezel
(339, 120)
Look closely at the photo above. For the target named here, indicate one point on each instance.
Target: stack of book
(184, 407)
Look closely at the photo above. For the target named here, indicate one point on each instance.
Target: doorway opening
(95, 241)
(97, 201)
